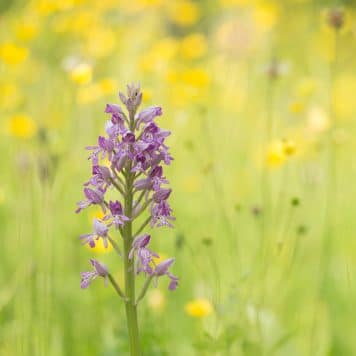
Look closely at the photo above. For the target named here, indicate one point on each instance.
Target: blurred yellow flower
(228, 3)
(276, 154)
(26, 30)
(150, 3)
(99, 245)
(147, 95)
(156, 300)
(108, 86)
(344, 90)
(183, 12)
(10, 95)
(101, 6)
(296, 107)
(166, 48)
(48, 7)
(266, 15)
(82, 22)
(199, 308)
(95, 214)
(69, 4)
(289, 147)
(92, 92)
(81, 74)
(22, 126)
(194, 46)
(45, 7)
(157, 260)
(13, 54)
(139, 5)
(196, 77)
(100, 248)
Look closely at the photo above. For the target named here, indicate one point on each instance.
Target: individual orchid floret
(143, 184)
(141, 162)
(99, 270)
(154, 135)
(101, 177)
(161, 214)
(144, 255)
(147, 115)
(156, 175)
(118, 115)
(139, 242)
(154, 180)
(119, 162)
(161, 194)
(117, 214)
(100, 231)
(163, 269)
(125, 148)
(105, 147)
(93, 197)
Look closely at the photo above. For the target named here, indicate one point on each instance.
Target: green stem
(130, 305)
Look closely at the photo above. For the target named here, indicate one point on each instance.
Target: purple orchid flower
(99, 271)
(144, 255)
(161, 214)
(100, 230)
(105, 147)
(93, 197)
(135, 146)
(118, 115)
(101, 178)
(154, 180)
(118, 217)
(147, 115)
(163, 269)
(161, 194)
(153, 134)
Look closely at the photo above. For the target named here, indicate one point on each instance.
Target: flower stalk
(130, 305)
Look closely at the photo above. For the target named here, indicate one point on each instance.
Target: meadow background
(260, 99)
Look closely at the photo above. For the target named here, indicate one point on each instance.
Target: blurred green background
(260, 99)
